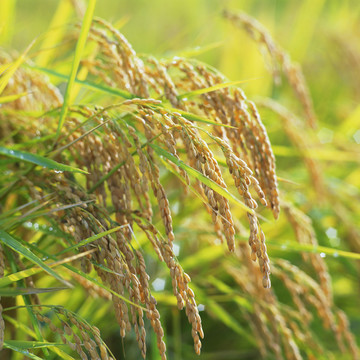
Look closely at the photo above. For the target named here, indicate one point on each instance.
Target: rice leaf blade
(91, 239)
(199, 176)
(38, 160)
(212, 88)
(26, 291)
(11, 98)
(15, 245)
(10, 71)
(80, 46)
(25, 352)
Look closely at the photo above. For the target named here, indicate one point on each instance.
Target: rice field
(179, 180)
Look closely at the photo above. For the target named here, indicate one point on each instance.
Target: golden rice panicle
(305, 234)
(40, 95)
(204, 161)
(180, 284)
(289, 330)
(144, 168)
(157, 188)
(296, 290)
(265, 315)
(154, 316)
(344, 330)
(134, 289)
(82, 338)
(314, 296)
(151, 233)
(253, 134)
(266, 174)
(243, 178)
(170, 133)
(81, 227)
(184, 294)
(162, 79)
(299, 138)
(232, 108)
(117, 63)
(212, 170)
(116, 255)
(258, 331)
(280, 60)
(94, 290)
(147, 298)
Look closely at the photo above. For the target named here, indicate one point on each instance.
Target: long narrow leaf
(199, 176)
(85, 27)
(10, 98)
(212, 88)
(56, 32)
(323, 250)
(20, 325)
(23, 274)
(88, 84)
(38, 160)
(86, 276)
(15, 245)
(91, 239)
(7, 75)
(22, 344)
(7, 17)
(198, 118)
(27, 291)
(25, 352)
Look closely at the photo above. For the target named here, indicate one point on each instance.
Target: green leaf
(22, 344)
(197, 118)
(85, 27)
(198, 50)
(10, 98)
(9, 241)
(19, 325)
(222, 315)
(25, 352)
(199, 176)
(212, 88)
(91, 239)
(10, 71)
(227, 319)
(317, 153)
(32, 142)
(56, 32)
(202, 257)
(61, 353)
(38, 160)
(7, 21)
(226, 289)
(86, 276)
(88, 84)
(19, 275)
(27, 291)
(297, 247)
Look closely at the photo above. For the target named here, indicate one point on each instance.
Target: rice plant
(146, 212)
